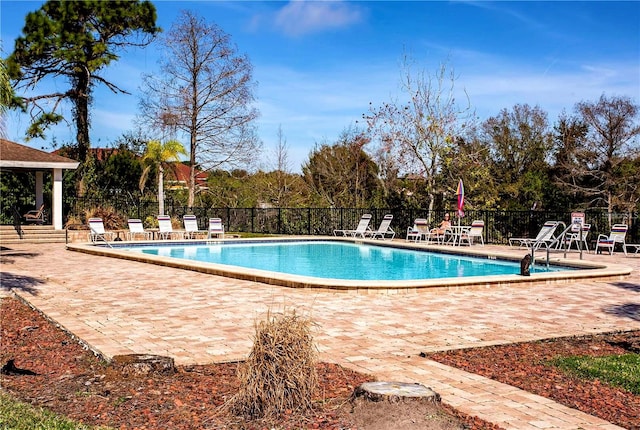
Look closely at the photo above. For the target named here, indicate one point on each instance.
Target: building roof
(179, 175)
(15, 156)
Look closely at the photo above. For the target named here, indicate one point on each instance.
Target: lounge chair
(544, 237)
(573, 236)
(36, 215)
(617, 235)
(441, 235)
(191, 230)
(361, 230)
(216, 228)
(97, 231)
(384, 231)
(628, 247)
(136, 229)
(419, 230)
(166, 229)
(475, 231)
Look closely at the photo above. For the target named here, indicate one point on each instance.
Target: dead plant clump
(111, 219)
(279, 377)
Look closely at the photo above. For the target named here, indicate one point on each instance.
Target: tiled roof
(182, 171)
(14, 155)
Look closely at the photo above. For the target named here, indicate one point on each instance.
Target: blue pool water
(339, 260)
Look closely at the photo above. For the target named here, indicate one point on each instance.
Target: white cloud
(553, 90)
(304, 17)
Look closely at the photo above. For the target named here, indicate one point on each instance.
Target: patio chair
(97, 231)
(216, 228)
(384, 231)
(166, 229)
(544, 237)
(191, 230)
(573, 236)
(136, 229)
(419, 230)
(474, 231)
(361, 230)
(35, 215)
(617, 235)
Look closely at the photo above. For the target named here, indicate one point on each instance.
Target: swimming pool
(339, 260)
(562, 273)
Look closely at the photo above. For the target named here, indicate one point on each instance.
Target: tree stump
(395, 392)
(137, 365)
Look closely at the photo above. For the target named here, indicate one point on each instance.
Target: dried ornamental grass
(109, 215)
(280, 374)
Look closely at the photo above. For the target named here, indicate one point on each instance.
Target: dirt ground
(72, 381)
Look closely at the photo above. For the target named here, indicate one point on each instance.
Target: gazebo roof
(15, 156)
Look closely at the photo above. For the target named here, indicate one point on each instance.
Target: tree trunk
(141, 365)
(160, 190)
(192, 186)
(81, 101)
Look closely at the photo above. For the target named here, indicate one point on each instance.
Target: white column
(39, 192)
(56, 200)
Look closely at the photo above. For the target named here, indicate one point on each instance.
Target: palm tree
(6, 96)
(157, 155)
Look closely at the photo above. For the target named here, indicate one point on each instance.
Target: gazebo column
(56, 200)
(39, 189)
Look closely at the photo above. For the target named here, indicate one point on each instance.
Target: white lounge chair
(216, 228)
(361, 230)
(166, 229)
(544, 237)
(419, 230)
(475, 231)
(574, 236)
(191, 230)
(384, 231)
(635, 247)
(136, 229)
(97, 231)
(617, 235)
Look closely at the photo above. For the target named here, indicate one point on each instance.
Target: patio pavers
(121, 307)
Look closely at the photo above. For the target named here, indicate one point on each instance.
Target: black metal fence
(499, 225)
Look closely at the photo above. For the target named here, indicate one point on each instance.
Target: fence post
(485, 216)
(252, 220)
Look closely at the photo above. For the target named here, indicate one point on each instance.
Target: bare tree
(283, 177)
(417, 132)
(597, 152)
(205, 91)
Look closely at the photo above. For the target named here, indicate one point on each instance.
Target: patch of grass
(618, 370)
(22, 416)
(249, 235)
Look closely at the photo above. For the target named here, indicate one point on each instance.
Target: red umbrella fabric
(460, 194)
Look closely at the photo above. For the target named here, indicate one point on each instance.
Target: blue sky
(319, 64)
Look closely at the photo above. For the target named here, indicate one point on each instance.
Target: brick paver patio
(121, 307)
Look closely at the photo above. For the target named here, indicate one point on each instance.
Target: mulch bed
(525, 365)
(71, 381)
